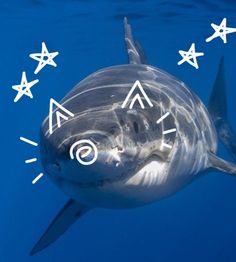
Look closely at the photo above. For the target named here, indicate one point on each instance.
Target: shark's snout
(81, 157)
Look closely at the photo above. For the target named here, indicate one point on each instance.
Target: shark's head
(86, 150)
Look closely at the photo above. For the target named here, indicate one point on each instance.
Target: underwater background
(196, 224)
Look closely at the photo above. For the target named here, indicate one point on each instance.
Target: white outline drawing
(221, 31)
(40, 58)
(168, 131)
(88, 148)
(137, 96)
(59, 115)
(190, 56)
(26, 140)
(162, 117)
(37, 178)
(166, 145)
(31, 160)
(24, 87)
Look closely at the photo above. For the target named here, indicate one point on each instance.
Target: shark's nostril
(57, 166)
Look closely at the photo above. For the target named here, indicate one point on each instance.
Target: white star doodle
(24, 87)
(190, 56)
(40, 58)
(221, 31)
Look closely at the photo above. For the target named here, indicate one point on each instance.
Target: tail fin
(135, 52)
(218, 110)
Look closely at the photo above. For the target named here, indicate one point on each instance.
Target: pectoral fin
(218, 163)
(65, 218)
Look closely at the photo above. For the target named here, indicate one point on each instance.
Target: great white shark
(132, 166)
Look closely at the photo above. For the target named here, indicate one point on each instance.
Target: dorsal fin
(135, 52)
(218, 110)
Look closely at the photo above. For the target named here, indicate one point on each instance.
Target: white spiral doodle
(88, 147)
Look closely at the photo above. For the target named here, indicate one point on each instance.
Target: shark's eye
(136, 127)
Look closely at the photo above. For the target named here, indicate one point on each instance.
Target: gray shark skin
(132, 167)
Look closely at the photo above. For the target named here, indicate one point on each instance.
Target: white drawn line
(37, 178)
(58, 114)
(28, 161)
(88, 146)
(169, 131)
(190, 56)
(166, 145)
(137, 96)
(162, 118)
(221, 31)
(28, 141)
(40, 58)
(24, 87)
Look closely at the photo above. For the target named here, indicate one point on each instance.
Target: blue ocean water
(196, 224)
